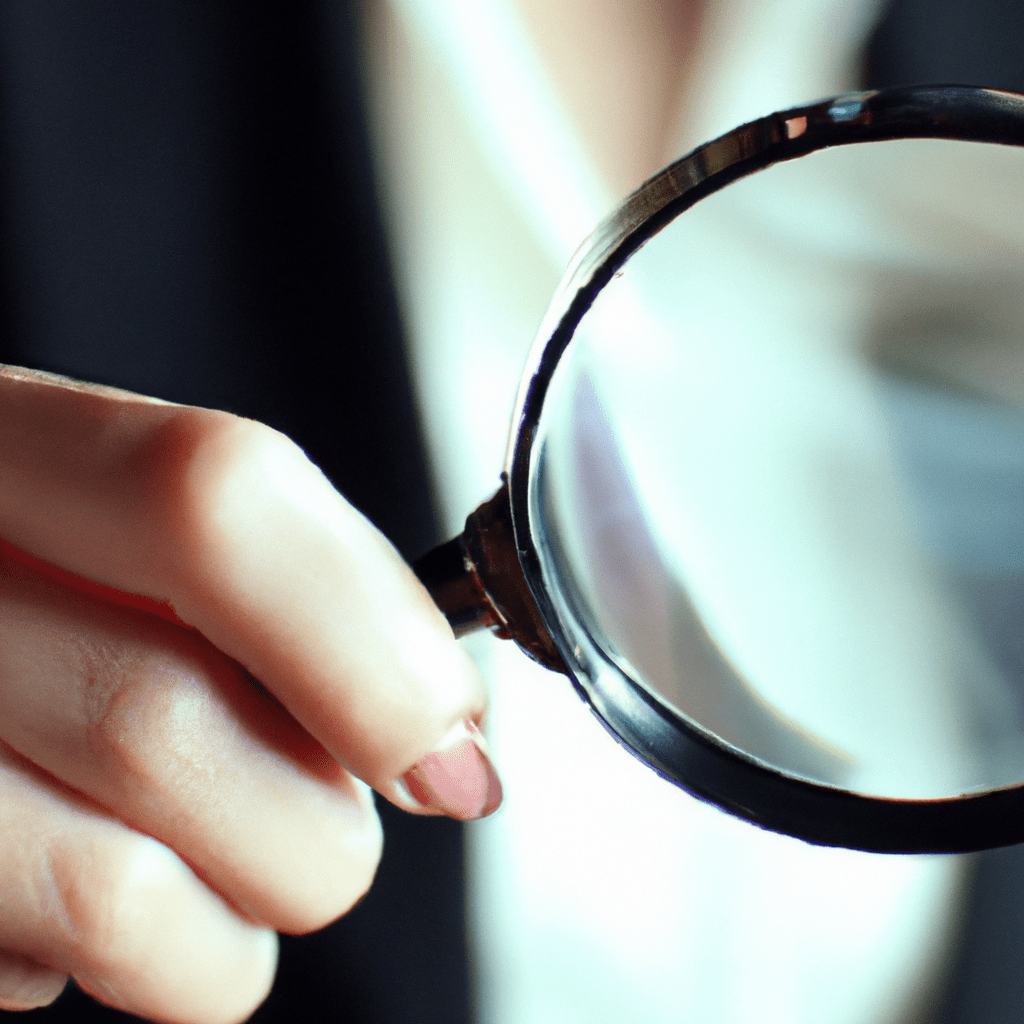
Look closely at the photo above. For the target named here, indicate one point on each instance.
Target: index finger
(227, 522)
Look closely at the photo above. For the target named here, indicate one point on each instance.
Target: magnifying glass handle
(449, 574)
(476, 580)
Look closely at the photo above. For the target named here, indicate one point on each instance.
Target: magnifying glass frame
(493, 575)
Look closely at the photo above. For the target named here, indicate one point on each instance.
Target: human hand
(165, 813)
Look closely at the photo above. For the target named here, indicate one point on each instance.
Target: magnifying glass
(764, 497)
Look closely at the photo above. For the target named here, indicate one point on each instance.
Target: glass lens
(779, 475)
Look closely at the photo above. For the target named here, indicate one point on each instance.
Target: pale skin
(623, 72)
(163, 814)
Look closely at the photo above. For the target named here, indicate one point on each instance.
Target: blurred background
(347, 221)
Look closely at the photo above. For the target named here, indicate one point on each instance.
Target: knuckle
(96, 902)
(137, 931)
(142, 711)
(207, 476)
(163, 455)
(230, 469)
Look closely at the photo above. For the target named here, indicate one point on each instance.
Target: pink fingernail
(458, 778)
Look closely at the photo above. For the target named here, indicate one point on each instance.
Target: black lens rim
(668, 743)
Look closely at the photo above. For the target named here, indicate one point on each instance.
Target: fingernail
(458, 778)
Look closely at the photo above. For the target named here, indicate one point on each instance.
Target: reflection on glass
(781, 471)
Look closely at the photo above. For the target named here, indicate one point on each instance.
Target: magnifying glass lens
(778, 478)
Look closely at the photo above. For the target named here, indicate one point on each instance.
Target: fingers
(229, 523)
(87, 897)
(174, 739)
(162, 810)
